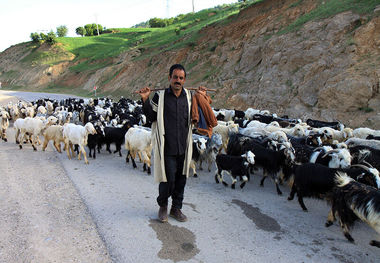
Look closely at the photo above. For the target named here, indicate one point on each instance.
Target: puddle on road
(261, 220)
(178, 243)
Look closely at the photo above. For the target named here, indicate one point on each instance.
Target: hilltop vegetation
(288, 56)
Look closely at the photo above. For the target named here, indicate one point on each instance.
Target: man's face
(177, 80)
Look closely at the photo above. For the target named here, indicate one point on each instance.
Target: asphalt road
(252, 224)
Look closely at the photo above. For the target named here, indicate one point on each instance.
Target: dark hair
(176, 66)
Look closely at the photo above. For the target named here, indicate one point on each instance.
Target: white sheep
(77, 134)
(4, 124)
(33, 127)
(225, 131)
(364, 132)
(330, 134)
(138, 140)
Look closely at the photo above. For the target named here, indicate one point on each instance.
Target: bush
(35, 37)
(43, 36)
(51, 38)
(157, 22)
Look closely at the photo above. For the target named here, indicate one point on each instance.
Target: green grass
(156, 40)
(327, 8)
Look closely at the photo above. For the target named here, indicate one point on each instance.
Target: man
(169, 111)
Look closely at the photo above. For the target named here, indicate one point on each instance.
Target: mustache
(177, 83)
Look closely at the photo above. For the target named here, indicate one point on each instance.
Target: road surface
(58, 210)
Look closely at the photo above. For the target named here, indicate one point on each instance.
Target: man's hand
(144, 93)
(202, 90)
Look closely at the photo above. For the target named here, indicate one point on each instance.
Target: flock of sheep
(318, 159)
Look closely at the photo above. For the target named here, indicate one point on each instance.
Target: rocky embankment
(327, 69)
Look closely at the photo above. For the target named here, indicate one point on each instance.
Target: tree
(92, 29)
(51, 38)
(80, 31)
(62, 31)
(35, 37)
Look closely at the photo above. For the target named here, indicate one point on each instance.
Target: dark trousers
(176, 181)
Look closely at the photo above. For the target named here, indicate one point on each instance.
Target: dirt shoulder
(42, 216)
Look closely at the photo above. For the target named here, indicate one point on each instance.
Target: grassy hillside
(101, 48)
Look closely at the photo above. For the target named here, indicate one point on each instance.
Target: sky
(19, 18)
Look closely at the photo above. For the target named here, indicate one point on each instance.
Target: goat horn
(361, 166)
(367, 163)
(331, 151)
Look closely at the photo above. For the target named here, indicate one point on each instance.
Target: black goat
(319, 124)
(115, 135)
(353, 200)
(271, 161)
(94, 140)
(317, 180)
(235, 165)
(366, 154)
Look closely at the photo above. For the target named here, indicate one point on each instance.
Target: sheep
(332, 134)
(41, 111)
(18, 124)
(235, 166)
(139, 141)
(250, 112)
(55, 133)
(224, 131)
(363, 133)
(199, 147)
(352, 200)
(77, 134)
(4, 124)
(13, 111)
(358, 141)
(31, 126)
